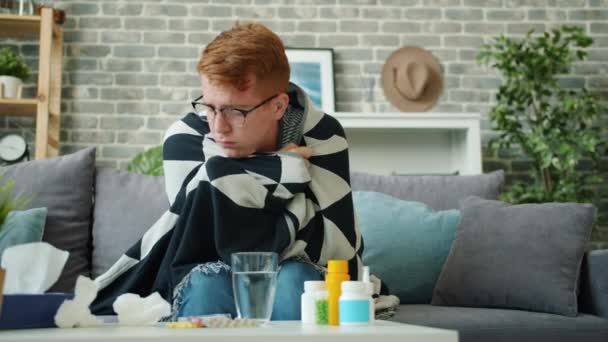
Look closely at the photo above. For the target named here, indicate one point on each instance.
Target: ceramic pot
(11, 85)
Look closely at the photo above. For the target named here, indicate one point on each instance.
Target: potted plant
(554, 126)
(13, 71)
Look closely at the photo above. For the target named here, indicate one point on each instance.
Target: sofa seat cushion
(438, 192)
(126, 205)
(497, 325)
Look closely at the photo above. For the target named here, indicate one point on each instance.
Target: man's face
(258, 132)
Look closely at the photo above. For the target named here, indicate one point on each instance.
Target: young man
(255, 167)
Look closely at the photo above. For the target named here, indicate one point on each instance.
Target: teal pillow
(405, 243)
(22, 227)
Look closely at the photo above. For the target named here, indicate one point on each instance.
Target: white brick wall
(129, 66)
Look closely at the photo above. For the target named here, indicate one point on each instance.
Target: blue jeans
(208, 290)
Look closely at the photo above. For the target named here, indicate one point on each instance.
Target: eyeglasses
(236, 117)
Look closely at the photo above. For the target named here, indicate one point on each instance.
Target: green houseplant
(148, 162)
(13, 71)
(8, 201)
(553, 125)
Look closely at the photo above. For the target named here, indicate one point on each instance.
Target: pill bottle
(337, 272)
(308, 300)
(354, 303)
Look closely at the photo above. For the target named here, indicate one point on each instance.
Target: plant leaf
(149, 162)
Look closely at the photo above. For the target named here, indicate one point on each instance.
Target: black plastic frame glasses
(234, 116)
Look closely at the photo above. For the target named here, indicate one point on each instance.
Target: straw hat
(411, 79)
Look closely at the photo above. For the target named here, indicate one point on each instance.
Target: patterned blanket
(267, 202)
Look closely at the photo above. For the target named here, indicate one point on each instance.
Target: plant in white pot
(13, 71)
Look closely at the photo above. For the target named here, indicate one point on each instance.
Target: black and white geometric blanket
(267, 202)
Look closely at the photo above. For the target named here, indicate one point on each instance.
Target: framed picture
(313, 70)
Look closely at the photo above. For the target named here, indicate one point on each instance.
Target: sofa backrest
(438, 192)
(127, 204)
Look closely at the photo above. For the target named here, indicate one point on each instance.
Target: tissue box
(28, 311)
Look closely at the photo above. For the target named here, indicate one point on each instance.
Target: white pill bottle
(312, 289)
(354, 303)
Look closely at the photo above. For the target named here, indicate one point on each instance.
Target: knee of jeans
(292, 276)
(205, 293)
(296, 273)
(290, 287)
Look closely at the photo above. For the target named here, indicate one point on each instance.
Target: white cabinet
(413, 143)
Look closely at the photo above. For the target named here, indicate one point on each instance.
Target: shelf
(46, 107)
(25, 107)
(449, 121)
(413, 143)
(21, 26)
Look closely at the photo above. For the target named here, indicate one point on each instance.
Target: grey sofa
(496, 325)
(96, 213)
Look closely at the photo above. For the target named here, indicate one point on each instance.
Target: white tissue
(135, 310)
(76, 313)
(32, 268)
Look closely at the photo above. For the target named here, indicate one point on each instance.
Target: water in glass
(254, 293)
(254, 281)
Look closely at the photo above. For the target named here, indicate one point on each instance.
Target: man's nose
(221, 125)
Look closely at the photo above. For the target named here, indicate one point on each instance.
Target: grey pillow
(64, 185)
(525, 256)
(126, 205)
(438, 192)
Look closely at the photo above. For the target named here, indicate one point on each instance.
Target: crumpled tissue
(76, 312)
(32, 268)
(135, 310)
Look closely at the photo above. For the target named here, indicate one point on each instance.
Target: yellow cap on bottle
(337, 266)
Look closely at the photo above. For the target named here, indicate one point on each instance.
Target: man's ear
(280, 104)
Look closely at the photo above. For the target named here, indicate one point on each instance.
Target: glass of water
(254, 282)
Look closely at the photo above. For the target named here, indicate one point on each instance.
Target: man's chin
(232, 153)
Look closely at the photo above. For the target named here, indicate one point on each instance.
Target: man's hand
(304, 151)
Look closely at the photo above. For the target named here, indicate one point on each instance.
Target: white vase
(11, 86)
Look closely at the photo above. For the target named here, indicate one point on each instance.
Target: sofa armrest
(594, 283)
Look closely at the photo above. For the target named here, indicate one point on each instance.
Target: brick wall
(130, 65)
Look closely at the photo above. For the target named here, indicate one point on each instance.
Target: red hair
(245, 50)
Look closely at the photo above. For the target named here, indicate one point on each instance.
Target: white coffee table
(290, 331)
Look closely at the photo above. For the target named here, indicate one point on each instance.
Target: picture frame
(312, 69)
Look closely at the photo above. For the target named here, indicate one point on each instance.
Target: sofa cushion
(22, 226)
(409, 264)
(499, 325)
(438, 192)
(126, 205)
(64, 185)
(594, 283)
(525, 256)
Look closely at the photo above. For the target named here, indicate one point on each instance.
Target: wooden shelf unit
(22, 107)
(413, 143)
(46, 107)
